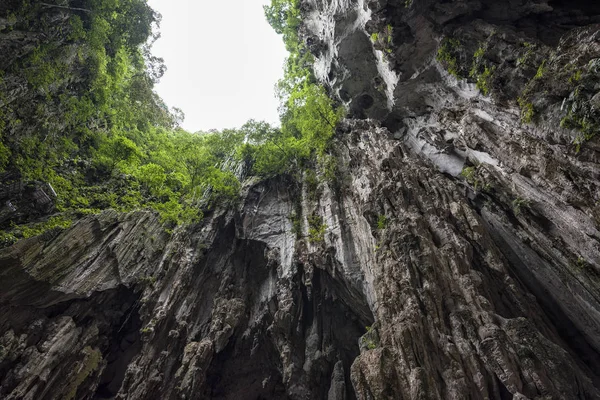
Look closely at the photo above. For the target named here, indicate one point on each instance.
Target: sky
(223, 60)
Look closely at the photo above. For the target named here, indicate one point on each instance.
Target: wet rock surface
(460, 255)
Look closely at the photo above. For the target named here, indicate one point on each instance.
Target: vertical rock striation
(456, 254)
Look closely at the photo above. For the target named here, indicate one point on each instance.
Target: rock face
(22, 202)
(456, 254)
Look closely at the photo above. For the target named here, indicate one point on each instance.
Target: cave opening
(124, 344)
(327, 320)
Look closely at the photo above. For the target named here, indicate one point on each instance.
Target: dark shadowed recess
(124, 345)
(573, 339)
(326, 320)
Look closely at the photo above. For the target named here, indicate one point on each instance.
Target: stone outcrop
(455, 254)
(21, 202)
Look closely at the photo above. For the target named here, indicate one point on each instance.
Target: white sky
(223, 60)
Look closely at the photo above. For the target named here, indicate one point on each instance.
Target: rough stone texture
(237, 307)
(453, 313)
(531, 192)
(480, 285)
(22, 202)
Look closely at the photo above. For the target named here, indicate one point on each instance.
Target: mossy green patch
(480, 71)
(382, 221)
(61, 222)
(587, 128)
(470, 175)
(576, 77)
(312, 185)
(370, 339)
(89, 364)
(296, 221)
(519, 204)
(24, 231)
(540, 71)
(529, 49)
(484, 80)
(527, 110)
(383, 40)
(316, 229)
(447, 55)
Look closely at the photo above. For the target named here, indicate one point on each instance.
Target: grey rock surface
(461, 254)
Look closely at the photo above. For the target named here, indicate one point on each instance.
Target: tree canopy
(90, 123)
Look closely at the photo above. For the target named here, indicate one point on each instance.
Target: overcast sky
(223, 60)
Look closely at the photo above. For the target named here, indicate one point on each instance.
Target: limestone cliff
(455, 255)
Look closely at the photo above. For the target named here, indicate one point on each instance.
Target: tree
(284, 17)
(310, 111)
(117, 149)
(153, 177)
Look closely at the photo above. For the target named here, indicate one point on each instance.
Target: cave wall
(460, 255)
(485, 93)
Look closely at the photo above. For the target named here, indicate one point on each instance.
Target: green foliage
(477, 62)
(447, 55)
(152, 177)
(382, 221)
(267, 149)
(115, 150)
(27, 231)
(312, 184)
(316, 229)
(370, 338)
(77, 29)
(480, 71)
(308, 116)
(7, 239)
(484, 79)
(527, 110)
(99, 134)
(308, 120)
(4, 155)
(540, 71)
(296, 221)
(587, 128)
(576, 77)
(383, 40)
(529, 49)
(519, 204)
(479, 53)
(470, 175)
(60, 222)
(329, 167)
(284, 17)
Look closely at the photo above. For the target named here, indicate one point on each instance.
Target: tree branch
(65, 7)
(325, 118)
